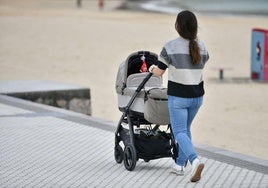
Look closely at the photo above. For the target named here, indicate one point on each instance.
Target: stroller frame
(130, 155)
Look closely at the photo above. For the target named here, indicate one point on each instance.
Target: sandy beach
(55, 40)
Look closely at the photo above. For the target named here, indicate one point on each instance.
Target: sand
(54, 40)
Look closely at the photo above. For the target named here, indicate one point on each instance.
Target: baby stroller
(142, 99)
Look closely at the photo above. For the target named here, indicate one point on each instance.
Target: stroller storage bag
(153, 143)
(150, 144)
(156, 106)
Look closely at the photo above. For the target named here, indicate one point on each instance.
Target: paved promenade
(42, 146)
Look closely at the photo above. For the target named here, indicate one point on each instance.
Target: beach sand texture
(54, 40)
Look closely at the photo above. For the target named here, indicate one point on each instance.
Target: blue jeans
(182, 112)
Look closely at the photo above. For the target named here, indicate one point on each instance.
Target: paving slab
(43, 146)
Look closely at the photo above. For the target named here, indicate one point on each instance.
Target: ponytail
(186, 25)
(194, 52)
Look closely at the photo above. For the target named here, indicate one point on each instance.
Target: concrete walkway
(42, 146)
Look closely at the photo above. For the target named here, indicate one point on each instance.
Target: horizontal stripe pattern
(183, 61)
(184, 78)
(185, 91)
(181, 46)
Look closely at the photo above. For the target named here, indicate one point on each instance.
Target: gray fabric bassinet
(152, 100)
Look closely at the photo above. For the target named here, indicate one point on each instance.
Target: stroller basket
(150, 144)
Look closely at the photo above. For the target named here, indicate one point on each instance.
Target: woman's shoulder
(200, 42)
(176, 42)
(202, 45)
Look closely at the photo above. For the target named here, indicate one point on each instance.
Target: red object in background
(254, 75)
(101, 3)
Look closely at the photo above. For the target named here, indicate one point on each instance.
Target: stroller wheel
(118, 154)
(130, 157)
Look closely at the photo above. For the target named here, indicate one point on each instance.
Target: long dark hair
(186, 25)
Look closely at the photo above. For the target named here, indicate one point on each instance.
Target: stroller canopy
(136, 62)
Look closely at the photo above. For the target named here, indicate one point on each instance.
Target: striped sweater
(184, 79)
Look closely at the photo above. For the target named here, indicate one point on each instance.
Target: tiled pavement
(43, 146)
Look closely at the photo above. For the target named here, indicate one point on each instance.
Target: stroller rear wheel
(130, 157)
(118, 154)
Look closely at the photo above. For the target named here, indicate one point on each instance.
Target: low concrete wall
(56, 94)
(74, 100)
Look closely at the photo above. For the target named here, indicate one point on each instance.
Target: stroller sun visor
(133, 65)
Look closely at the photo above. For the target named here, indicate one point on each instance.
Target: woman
(185, 57)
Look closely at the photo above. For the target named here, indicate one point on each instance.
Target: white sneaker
(197, 168)
(177, 169)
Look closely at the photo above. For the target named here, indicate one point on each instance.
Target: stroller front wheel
(118, 154)
(130, 157)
